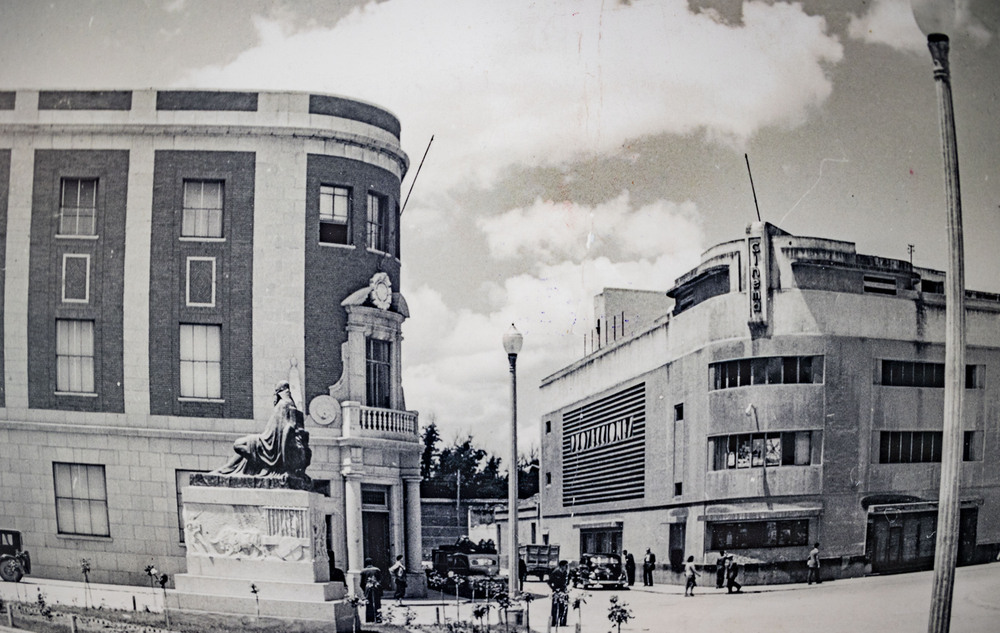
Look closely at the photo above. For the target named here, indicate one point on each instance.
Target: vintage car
(599, 570)
(14, 561)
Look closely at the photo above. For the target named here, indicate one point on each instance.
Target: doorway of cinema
(600, 540)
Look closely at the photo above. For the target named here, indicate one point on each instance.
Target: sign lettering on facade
(607, 433)
(756, 280)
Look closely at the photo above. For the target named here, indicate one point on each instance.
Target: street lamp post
(512, 341)
(936, 19)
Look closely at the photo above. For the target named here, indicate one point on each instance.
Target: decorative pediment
(378, 294)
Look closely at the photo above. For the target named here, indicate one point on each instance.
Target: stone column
(353, 530)
(414, 545)
(417, 587)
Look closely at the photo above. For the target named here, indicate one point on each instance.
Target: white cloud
(541, 83)
(891, 22)
(456, 370)
(554, 231)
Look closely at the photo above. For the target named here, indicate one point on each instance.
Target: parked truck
(539, 559)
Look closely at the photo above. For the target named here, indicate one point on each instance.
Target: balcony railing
(362, 421)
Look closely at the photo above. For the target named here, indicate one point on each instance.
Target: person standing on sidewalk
(559, 582)
(398, 573)
(813, 563)
(629, 567)
(689, 573)
(648, 565)
(720, 570)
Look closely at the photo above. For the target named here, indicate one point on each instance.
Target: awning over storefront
(918, 506)
(599, 525)
(760, 511)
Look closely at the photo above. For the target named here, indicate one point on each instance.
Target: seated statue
(281, 449)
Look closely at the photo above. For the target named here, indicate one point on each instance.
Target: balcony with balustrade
(372, 422)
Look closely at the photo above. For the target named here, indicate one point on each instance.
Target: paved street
(883, 603)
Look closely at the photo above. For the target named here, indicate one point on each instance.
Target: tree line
(467, 471)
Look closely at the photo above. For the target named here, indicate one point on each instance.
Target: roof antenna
(751, 187)
(403, 208)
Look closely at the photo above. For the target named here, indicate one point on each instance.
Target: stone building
(168, 257)
(792, 394)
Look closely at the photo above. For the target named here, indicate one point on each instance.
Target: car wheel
(10, 570)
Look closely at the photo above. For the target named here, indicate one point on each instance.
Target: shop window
(758, 534)
(81, 499)
(74, 356)
(334, 214)
(200, 361)
(76, 278)
(754, 450)
(202, 211)
(78, 207)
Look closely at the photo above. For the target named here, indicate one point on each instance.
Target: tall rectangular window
(74, 356)
(201, 361)
(376, 223)
(201, 281)
(78, 207)
(81, 499)
(202, 213)
(334, 214)
(76, 278)
(378, 373)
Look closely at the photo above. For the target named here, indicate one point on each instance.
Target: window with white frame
(378, 373)
(78, 207)
(76, 278)
(201, 361)
(74, 356)
(334, 214)
(81, 499)
(376, 223)
(202, 213)
(200, 281)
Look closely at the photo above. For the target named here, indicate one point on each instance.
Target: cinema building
(792, 393)
(168, 257)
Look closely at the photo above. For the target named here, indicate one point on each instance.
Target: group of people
(648, 565)
(371, 585)
(726, 571)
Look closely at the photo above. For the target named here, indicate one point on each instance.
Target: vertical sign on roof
(757, 274)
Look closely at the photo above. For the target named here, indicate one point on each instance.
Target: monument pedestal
(271, 539)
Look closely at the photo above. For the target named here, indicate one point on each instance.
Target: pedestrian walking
(629, 567)
(720, 570)
(398, 573)
(689, 575)
(648, 565)
(522, 573)
(558, 582)
(813, 563)
(732, 571)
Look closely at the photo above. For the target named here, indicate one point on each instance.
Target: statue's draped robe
(266, 453)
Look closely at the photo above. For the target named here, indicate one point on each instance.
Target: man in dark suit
(648, 565)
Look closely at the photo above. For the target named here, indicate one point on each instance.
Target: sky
(580, 145)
